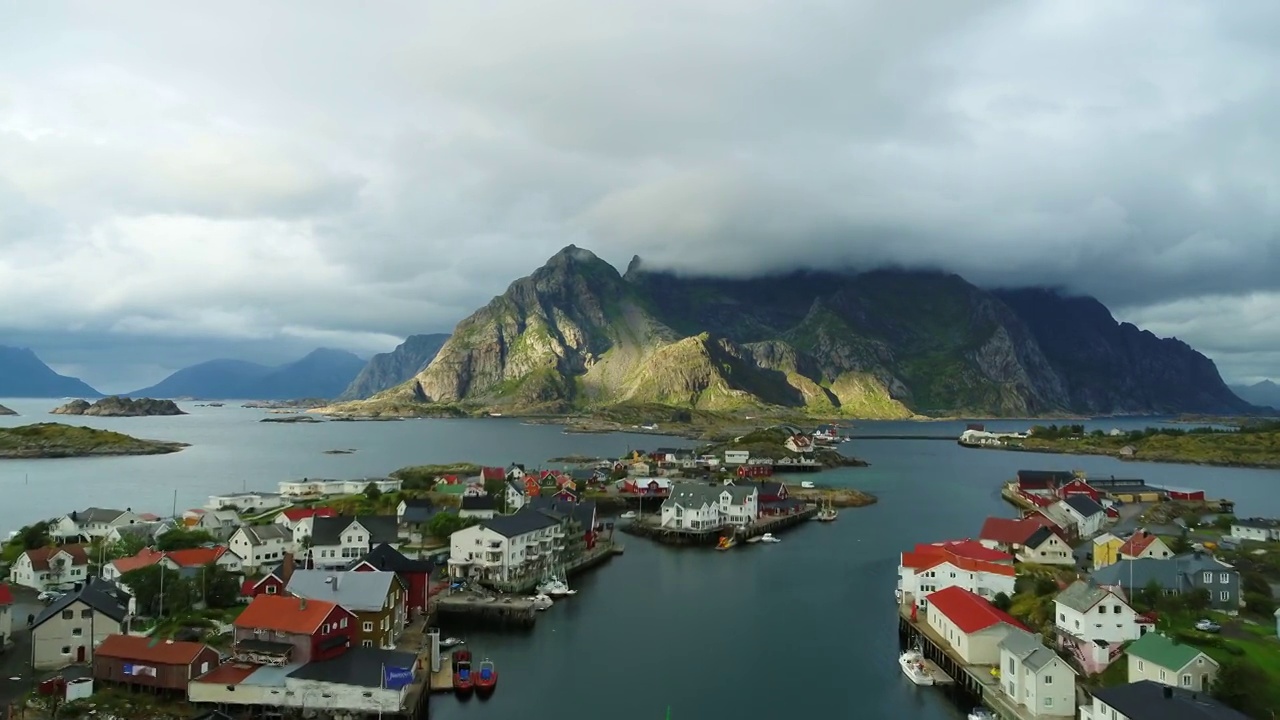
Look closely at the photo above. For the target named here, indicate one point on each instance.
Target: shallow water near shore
(765, 631)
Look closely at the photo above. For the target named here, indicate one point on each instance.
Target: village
(323, 595)
(1106, 599)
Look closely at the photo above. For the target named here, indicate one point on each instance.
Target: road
(16, 678)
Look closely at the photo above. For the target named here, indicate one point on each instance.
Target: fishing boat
(541, 601)
(981, 713)
(451, 642)
(463, 683)
(770, 538)
(912, 664)
(726, 542)
(827, 513)
(486, 679)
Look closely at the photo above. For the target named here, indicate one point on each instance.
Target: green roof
(449, 489)
(1163, 651)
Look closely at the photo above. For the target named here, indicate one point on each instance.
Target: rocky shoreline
(1172, 460)
(55, 440)
(6, 411)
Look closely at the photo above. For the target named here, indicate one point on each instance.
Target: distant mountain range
(1265, 393)
(22, 374)
(577, 334)
(386, 370)
(322, 373)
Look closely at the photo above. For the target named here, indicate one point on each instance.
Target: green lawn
(1255, 643)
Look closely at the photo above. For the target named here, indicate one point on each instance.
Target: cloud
(315, 171)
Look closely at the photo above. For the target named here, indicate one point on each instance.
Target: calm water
(808, 624)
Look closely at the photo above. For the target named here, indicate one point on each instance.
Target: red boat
(463, 682)
(487, 679)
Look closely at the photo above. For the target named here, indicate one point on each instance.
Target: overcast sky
(185, 181)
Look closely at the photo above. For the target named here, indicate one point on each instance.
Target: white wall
(267, 553)
(1101, 622)
(56, 642)
(980, 648)
(1051, 552)
(678, 516)
(946, 575)
(22, 573)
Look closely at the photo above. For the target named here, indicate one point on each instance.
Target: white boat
(912, 664)
(451, 642)
(755, 539)
(769, 538)
(541, 602)
(553, 587)
(628, 515)
(806, 484)
(981, 713)
(827, 513)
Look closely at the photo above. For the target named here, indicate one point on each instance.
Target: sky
(180, 182)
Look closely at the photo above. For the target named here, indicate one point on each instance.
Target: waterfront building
(972, 626)
(45, 568)
(1156, 656)
(1147, 700)
(281, 630)
(415, 574)
(139, 662)
(1093, 623)
(70, 627)
(692, 506)
(306, 488)
(261, 545)
(92, 523)
(1087, 515)
(1034, 677)
(339, 540)
(969, 566)
(376, 598)
(1258, 529)
(248, 503)
(506, 548)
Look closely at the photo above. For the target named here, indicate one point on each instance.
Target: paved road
(16, 678)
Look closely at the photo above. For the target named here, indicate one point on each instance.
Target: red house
(754, 470)
(279, 630)
(415, 574)
(1045, 481)
(531, 486)
(771, 492)
(272, 583)
(1078, 486)
(492, 473)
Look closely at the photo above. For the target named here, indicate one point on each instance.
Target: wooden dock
(499, 609)
(939, 676)
(442, 681)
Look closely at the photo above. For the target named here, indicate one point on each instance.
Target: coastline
(1174, 460)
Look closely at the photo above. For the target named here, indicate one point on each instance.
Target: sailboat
(828, 512)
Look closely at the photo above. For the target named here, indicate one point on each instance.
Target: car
(48, 596)
(1208, 626)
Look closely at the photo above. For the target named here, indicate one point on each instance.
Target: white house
(1086, 514)
(309, 488)
(505, 547)
(1149, 700)
(1156, 656)
(739, 505)
(247, 503)
(339, 540)
(261, 545)
(1034, 677)
(972, 626)
(92, 522)
(1143, 544)
(45, 568)
(799, 444)
(1259, 529)
(692, 507)
(638, 469)
(67, 630)
(193, 559)
(931, 568)
(1046, 547)
(515, 472)
(1091, 612)
(221, 524)
(478, 506)
(736, 457)
(514, 493)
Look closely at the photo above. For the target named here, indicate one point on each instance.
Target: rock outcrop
(117, 406)
(386, 370)
(6, 411)
(576, 334)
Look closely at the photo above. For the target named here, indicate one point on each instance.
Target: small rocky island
(6, 411)
(55, 440)
(116, 406)
(290, 419)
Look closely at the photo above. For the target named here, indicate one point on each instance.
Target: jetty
(505, 610)
(650, 527)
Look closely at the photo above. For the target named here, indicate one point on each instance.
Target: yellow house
(1106, 550)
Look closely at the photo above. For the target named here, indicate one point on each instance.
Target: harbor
(651, 527)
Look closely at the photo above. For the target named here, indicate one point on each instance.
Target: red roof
(968, 611)
(1006, 530)
(1135, 545)
(229, 674)
(968, 549)
(285, 614)
(196, 557)
(6, 597)
(146, 557)
(296, 514)
(493, 473)
(246, 587)
(40, 556)
(160, 652)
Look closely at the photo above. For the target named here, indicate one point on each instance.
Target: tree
(1180, 545)
(445, 524)
(1002, 601)
(1237, 685)
(1223, 522)
(221, 588)
(128, 545)
(180, 539)
(372, 493)
(146, 585)
(1197, 600)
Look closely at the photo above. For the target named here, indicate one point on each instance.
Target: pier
(650, 527)
(505, 610)
(442, 679)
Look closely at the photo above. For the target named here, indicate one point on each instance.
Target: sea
(803, 628)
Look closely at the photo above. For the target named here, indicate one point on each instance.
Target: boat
(806, 484)
(755, 539)
(769, 538)
(463, 683)
(541, 601)
(981, 713)
(827, 513)
(629, 515)
(726, 542)
(912, 664)
(486, 679)
(451, 642)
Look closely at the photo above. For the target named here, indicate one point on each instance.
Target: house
(772, 492)
(1042, 482)
(45, 568)
(802, 444)
(1106, 550)
(70, 627)
(514, 494)
(1180, 574)
(972, 626)
(1093, 623)
(1156, 656)
(736, 457)
(297, 520)
(415, 574)
(932, 568)
(340, 540)
(296, 489)
(1034, 677)
(1046, 546)
(6, 614)
(248, 503)
(515, 472)
(261, 545)
(577, 522)
(412, 512)
(221, 524)
(492, 474)
(92, 523)
(281, 630)
(1147, 700)
(146, 557)
(271, 583)
(506, 548)
(1078, 486)
(1259, 529)
(1143, 544)
(1086, 514)
(145, 532)
(142, 662)
(376, 598)
(1128, 452)
(188, 563)
(482, 507)
(1009, 534)
(638, 469)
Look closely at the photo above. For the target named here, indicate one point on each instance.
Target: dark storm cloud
(259, 173)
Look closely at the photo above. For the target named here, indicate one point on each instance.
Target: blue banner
(394, 678)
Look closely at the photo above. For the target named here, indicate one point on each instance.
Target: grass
(422, 477)
(1253, 643)
(56, 440)
(1250, 446)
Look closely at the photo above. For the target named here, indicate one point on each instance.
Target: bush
(1259, 604)
(1200, 639)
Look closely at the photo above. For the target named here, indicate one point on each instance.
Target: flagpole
(382, 685)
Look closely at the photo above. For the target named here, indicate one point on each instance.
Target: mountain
(386, 370)
(321, 373)
(1265, 393)
(578, 334)
(22, 374)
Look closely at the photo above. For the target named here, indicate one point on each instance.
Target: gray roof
(259, 534)
(1169, 573)
(1146, 700)
(584, 511)
(521, 523)
(358, 666)
(145, 530)
(477, 502)
(1085, 505)
(1199, 562)
(102, 595)
(696, 494)
(1028, 648)
(328, 531)
(1037, 538)
(1081, 595)
(98, 515)
(355, 591)
(418, 510)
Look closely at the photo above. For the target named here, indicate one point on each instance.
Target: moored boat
(451, 642)
(827, 513)
(486, 679)
(541, 602)
(463, 683)
(981, 713)
(912, 664)
(755, 539)
(726, 542)
(769, 538)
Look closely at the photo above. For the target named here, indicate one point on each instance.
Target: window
(1186, 680)
(366, 643)
(86, 613)
(343, 623)
(1208, 577)
(271, 589)
(1048, 679)
(368, 626)
(204, 668)
(1224, 596)
(1162, 676)
(1116, 609)
(66, 649)
(1062, 617)
(1140, 666)
(1048, 702)
(1102, 609)
(1224, 578)
(77, 632)
(68, 614)
(325, 629)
